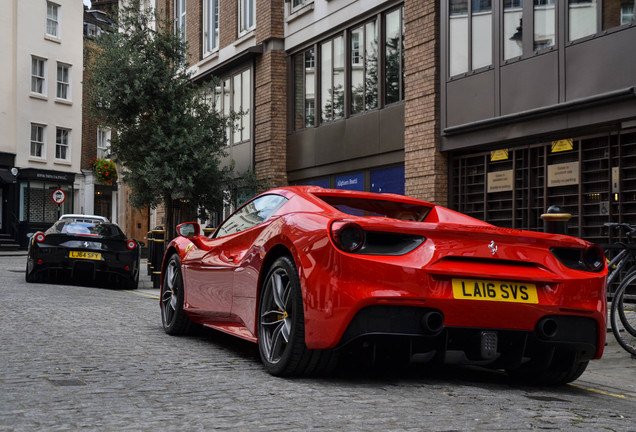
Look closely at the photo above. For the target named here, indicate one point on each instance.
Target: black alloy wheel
(174, 319)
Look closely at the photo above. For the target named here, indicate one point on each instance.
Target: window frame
(36, 79)
(53, 20)
(211, 14)
(363, 64)
(33, 141)
(180, 18)
(231, 90)
(103, 141)
(62, 144)
(298, 103)
(63, 84)
(295, 5)
(246, 16)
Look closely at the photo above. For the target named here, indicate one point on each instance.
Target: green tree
(169, 139)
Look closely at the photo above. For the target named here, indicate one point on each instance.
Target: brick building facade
(390, 145)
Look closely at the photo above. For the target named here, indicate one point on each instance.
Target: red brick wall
(270, 106)
(426, 168)
(228, 22)
(89, 125)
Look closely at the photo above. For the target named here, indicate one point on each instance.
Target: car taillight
(347, 236)
(131, 244)
(594, 258)
(40, 237)
(591, 258)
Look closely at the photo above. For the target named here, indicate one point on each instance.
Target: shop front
(43, 195)
(8, 220)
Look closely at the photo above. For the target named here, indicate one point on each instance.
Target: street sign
(58, 196)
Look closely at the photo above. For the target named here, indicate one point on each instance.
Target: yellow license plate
(503, 291)
(85, 255)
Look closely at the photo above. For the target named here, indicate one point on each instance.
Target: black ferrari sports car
(94, 250)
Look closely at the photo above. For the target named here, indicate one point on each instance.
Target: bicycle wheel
(623, 314)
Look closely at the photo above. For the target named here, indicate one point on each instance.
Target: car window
(374, 207)
(251, 214)
(94, 228)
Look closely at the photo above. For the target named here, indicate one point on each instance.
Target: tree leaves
(169, 139)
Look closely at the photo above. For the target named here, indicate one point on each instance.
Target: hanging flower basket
(105, 170)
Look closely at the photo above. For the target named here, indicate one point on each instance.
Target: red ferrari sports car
(307, 272)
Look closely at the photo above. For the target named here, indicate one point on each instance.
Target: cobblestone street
(85, 358)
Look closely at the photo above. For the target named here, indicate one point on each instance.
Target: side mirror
(189, 229)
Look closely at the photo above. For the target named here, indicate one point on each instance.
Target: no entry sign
(58, 196)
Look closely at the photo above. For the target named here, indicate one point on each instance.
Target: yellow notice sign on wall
(497, 155)
(562, 145)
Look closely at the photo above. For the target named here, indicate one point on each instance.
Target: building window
(52, 19)
(234, 94)
(241, 103)
(63, 81)
(544, 24)
(246, 16)
(37, 140)
(372, 64)
(364, 67)
(582, 16)
(296, 4)
(470, 35)
(38, 75)
(617, 13)
(304, 89)
(103, 142)
(481, 34)
(332, 74)
(513, 31)
(394, 56)
(180, 18)
(62, 143)
(211, 25)
(627, 13)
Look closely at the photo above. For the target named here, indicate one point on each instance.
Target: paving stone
(96, 359)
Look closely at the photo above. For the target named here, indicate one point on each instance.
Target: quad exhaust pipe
(432, 322)
(547, 328)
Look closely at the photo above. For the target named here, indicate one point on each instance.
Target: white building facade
(40, 112)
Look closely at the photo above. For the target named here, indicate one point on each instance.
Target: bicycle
(623, 308)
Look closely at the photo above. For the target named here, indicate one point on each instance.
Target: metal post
(555, 220)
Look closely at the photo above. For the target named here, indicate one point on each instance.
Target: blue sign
(351, 182)
(388, 180)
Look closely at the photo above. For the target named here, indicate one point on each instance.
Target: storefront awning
(6, 177)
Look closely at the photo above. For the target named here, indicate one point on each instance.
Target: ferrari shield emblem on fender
(493, 247)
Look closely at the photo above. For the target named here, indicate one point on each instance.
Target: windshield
(94, 229)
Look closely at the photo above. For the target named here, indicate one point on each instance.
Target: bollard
(208, 230)
(555, 221)
(149, 258)
(158, 239)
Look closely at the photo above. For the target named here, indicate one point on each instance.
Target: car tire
(174, 319)
(281, 326)
(133, 283)
(32, 276)
(558, 373)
